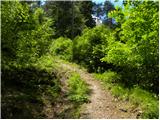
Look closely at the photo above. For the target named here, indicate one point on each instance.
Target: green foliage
(25, 34)
(78, 89)
(62, 47)
(69, 21)
(13, 14)
(121, 55)
(45, 62)
(120, 92)
(134, 46)
(33, 43)
(25, 38)
(88, 49)
(108, 77)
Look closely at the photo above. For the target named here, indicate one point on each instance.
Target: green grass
(107, 78)
(120, 92)
(78, 89)
(148, 102)
(45, 62)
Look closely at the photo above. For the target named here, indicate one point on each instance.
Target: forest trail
(102, 104)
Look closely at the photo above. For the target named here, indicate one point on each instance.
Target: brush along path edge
(102, 104)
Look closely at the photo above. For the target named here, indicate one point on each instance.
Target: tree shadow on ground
(22, 91)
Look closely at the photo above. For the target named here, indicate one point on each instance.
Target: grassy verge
(76, 93)
(77, 89)
(148, 102)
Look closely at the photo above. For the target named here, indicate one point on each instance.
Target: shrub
(45, 62)
(62, 47)
(88, 49)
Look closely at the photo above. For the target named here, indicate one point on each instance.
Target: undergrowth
(148, 102)
(24, 88)
(77, 89)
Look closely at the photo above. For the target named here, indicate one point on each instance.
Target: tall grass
(77, 89)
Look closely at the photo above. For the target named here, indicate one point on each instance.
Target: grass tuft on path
(78, 89)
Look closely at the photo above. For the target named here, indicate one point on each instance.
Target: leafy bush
(78, 89)
(25, 34)
(45, 62)
(88, 49)
(62, 47)
(135, 49)
(25, 38)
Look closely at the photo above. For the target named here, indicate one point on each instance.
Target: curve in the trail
(102, 104)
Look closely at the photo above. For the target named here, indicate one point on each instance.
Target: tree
(102, 10)
(108, 7)
(86, 10)
(69, 21)
(98, 9)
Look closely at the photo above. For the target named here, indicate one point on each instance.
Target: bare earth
(102, 104)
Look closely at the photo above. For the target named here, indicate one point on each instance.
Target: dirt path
(102, 104)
